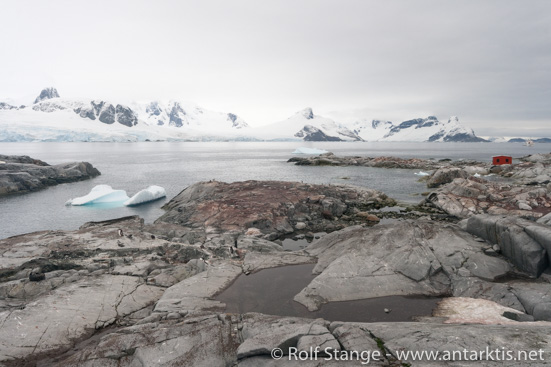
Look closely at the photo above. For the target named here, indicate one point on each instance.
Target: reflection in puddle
(300, 242)
(271, 292)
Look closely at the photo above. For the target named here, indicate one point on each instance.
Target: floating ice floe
(304, 150)
(144, 196)
(100, 194)
(477, 175)
(422, 173)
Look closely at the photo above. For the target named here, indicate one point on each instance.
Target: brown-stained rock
(466, 197)
(273, 208)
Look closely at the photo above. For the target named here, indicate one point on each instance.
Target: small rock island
(21, 174)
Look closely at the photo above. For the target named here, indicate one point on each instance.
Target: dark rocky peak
(378, 123)
(312, 133)
(232, 117)
(453, 119)
(126, 116)
(176, 114)
(236, 121)
(107, 114)
(6, 106)
(153, 109)
(307, 113)
(418, 123)
(47, 93)
(410, 123)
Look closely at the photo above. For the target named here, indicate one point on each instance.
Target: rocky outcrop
(403, 258)
(536, 170)
(545, 219)
(330, 159)
(46, 93)
(20, 174)
(525, 243)
(7, 106)
(466, 197)
(272, 208)
(445, 175)
(312, 133)
(125, 116)
(107, 113)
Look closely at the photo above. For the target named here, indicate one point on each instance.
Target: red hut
(498, 160)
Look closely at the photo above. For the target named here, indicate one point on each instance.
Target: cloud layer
(487, 62)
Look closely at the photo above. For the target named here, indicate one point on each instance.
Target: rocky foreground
(20, 174)
(124, 293)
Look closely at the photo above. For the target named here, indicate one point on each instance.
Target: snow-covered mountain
(372, 130)
(304, 125)
(509, 139)
(420, 129)
(53, 118)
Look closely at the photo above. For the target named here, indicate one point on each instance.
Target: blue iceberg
(98, 195)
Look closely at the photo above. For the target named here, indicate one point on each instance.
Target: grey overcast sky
(488, 62)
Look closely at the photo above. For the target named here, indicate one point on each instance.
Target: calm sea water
(174, 166)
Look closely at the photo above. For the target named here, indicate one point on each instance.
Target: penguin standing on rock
(120, 233)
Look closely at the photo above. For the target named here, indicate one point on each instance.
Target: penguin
(120, 232)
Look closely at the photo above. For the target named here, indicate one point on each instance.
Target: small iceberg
(422, 173)
(304, 150)
(100, 194)
(152, 193)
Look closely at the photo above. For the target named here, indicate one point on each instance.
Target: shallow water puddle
(296, 244)
(271, 292)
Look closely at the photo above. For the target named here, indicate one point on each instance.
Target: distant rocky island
(125, 293)
(20, 174)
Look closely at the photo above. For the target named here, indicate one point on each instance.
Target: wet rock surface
(19, 174)
(125, 293)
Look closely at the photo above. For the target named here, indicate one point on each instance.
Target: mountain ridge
(53, 118)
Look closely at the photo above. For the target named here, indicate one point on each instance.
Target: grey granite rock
(126, 116)
(445, 175)
(403, 258)
(20, 174)
(518, 239)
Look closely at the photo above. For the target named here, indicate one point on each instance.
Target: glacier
(152, 193)
(304, 150)
(98, 195)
